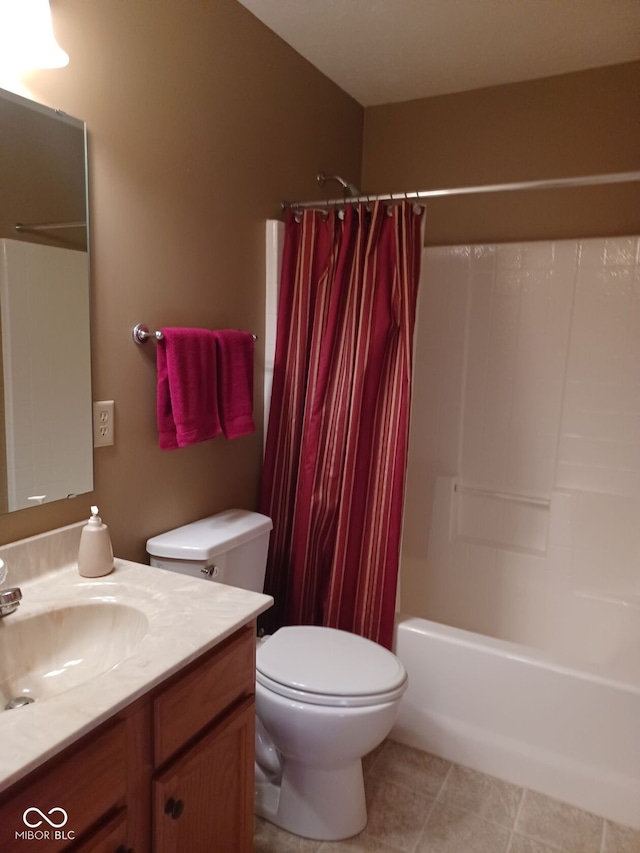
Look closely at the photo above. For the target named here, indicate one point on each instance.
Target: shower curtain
(336, 448)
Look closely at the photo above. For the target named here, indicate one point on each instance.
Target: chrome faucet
(9, 597)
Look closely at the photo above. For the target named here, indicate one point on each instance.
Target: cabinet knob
(174, 808)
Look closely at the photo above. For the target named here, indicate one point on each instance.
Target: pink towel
(187, 401)
(235, 382)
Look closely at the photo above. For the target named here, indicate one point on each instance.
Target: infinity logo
(44, 816)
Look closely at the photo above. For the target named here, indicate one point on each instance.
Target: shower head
(348, 188)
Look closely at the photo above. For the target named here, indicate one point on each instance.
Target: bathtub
(561, 725)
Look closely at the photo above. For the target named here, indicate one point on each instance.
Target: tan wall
(200, 120)
(574, 124)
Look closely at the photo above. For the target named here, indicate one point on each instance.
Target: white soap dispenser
(95, 555)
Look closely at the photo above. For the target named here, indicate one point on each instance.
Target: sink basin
(53, 651)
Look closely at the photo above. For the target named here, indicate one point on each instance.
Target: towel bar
(141, 334)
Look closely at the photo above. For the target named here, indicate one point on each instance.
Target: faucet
(9, 597)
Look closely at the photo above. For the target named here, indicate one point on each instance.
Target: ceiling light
(27, 41)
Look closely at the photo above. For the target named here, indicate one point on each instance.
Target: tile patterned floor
(418, 803)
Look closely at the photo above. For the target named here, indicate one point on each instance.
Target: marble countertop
(177, 617)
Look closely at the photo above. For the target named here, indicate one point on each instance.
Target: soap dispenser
(95, 555)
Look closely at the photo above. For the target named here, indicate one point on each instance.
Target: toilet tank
(230, 547)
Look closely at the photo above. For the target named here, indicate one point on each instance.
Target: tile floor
(419, 803)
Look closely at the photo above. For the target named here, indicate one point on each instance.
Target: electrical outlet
(103, 423)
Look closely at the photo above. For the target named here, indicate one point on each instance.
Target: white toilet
(324, 698)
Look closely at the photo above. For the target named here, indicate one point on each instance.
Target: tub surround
(521, 544)
(185, 617)
(526, 393)
(530, 599)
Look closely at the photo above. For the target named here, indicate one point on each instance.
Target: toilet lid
(325, 661)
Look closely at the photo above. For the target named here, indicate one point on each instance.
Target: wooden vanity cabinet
(203, 784)
(69, 782)
(203, 801)
(108, 838)
(171, 773)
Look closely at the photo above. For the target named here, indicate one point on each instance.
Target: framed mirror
(46, 446)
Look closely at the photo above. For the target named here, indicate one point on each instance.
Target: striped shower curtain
(336, 448)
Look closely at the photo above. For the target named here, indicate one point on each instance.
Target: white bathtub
(547, 721)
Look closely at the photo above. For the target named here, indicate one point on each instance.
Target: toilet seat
(328, 700)
(326, 666)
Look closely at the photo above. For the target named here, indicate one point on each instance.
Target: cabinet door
(110, 838)
(89, 783)
(203, 802)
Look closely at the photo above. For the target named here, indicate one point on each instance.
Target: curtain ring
(297, 216)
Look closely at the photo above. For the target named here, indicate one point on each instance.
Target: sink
(51, 652)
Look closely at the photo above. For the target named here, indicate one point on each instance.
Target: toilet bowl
(324, 697)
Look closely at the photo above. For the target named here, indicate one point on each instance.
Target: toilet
(324, 697)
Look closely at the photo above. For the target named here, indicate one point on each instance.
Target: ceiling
(383, 51)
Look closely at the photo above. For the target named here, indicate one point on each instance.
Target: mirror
(46, 446)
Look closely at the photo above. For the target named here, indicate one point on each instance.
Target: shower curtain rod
(551, 184)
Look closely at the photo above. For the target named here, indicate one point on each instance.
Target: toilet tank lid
(208, 537)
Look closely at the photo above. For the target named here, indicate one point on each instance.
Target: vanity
(141, 735)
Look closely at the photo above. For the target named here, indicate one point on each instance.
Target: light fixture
(27, 41)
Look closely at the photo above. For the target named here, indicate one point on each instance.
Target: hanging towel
(187, 400)
(235, 382)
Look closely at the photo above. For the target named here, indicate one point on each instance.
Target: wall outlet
(103, 423)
